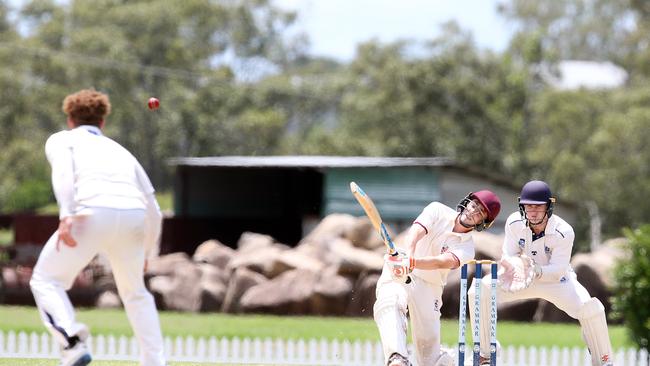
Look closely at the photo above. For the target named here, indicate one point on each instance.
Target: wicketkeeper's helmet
(536, 192)
(488, 200)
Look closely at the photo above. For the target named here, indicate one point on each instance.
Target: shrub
(632, 289)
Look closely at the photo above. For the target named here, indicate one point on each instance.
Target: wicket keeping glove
(517, 273)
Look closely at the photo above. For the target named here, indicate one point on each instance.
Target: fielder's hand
(400, 265)
(517, 273)
(65, 235)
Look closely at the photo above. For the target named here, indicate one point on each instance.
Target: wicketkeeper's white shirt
(552, 251)
(438, 221)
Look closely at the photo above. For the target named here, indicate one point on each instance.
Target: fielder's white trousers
(424, 301)
(118, 235)
(568, 295)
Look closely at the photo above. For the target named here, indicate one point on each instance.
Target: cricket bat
(373, 215)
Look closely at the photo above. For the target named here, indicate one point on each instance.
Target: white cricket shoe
(76, 355)
(398, 360)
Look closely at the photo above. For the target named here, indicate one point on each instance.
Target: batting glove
(400, 265)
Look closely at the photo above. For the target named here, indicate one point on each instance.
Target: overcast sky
(335, 27)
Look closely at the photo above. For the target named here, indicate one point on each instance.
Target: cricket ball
(153, 103)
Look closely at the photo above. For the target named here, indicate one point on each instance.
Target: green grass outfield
(174, 324)
(41, 362)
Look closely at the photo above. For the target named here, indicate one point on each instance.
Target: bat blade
(373, 214)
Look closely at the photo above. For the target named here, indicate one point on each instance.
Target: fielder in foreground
(535, 264)
(439, 240)
(106, 205)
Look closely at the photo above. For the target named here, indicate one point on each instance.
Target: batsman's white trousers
(568, 295)
(118, 235)
(424, 301)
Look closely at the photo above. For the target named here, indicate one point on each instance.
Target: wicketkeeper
(438, 240)
(106, 205)
(535, 264)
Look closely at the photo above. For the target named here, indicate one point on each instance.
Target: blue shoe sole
(83, 361)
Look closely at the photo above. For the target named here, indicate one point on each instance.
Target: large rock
(352, 261)
(213, 288)
(289, 293)
(290, 260)
(363, 235)
(549, 313)
(261, 260)
(518, 310)
(258, 253)
(241, 280)
(332, 226)
(251, 242)
(213, 252)
(595, 270)
(331, 294)
(362, 297)
(317, 243)
(179, 290)
(166, 264)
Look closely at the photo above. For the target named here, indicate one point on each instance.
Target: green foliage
(633, 286)
(25, 184)
(6, 239)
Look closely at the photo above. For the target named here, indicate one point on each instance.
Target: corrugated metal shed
(310, 161)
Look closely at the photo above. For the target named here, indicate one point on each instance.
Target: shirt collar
(92, 129)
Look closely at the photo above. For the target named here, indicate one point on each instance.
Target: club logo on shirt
(563, 279)
(436, 306)
(547, 249)
(522, 243)
(444, 249)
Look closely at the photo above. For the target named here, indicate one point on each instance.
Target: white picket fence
(285, 352)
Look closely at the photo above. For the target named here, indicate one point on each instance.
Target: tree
(169, 49)
(574, 29)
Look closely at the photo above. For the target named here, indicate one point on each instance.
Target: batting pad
(594, 330)
(391, 322)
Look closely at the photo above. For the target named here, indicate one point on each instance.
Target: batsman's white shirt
(438, 220)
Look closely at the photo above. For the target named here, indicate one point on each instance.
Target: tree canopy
(233, 80)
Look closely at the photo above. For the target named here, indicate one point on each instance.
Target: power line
(106, 63)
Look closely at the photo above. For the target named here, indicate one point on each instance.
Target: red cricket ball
(153, 103)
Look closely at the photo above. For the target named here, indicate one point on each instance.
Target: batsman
(439, 240)
(535, 264)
